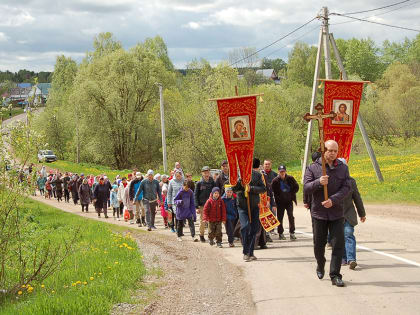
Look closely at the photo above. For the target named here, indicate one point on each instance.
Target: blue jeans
(249, 230)
(350, 243)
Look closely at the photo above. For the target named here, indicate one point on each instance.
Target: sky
(34, 32)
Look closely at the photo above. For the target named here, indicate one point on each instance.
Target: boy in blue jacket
(231, 214)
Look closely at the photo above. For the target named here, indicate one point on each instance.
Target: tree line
(107, 107)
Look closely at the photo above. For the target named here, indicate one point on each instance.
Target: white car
(46, 156)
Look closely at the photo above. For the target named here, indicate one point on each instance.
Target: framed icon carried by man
(344, 111)
(239, 128)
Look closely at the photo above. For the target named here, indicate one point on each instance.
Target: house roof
(24, 85)
(19, 92)
(44, 87)
(268, 73)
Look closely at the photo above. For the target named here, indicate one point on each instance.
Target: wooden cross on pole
(320, 116)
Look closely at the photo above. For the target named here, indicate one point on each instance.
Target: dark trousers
(280, 215)
(230, 226)
(66, 195)
(249, 229)
(180, 225)
(121, 209)
(116, 210)
(260, 236)
(102, 206)
(85, 206)
(150, 208)
(336, 230)
(215, 231)
(41, 191)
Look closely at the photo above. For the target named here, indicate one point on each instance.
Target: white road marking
(407, 261)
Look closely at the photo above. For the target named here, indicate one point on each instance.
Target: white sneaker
(179, 239)
(131, 222)
(118, 219)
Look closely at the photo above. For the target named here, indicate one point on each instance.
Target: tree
(116, 87)
(361, 58)
(277, 64)
(301, 64)
(244, 57)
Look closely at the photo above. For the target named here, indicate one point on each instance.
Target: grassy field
(86, 168)
(5, 114)
(104, 269)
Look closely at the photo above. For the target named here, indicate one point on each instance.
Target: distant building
(24, 85)
(268, 74)
(18, 95)
(45, 88)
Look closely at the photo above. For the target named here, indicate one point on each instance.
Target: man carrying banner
(249, 225)
(327, 215)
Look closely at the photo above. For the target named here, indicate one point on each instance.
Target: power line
(378, 14)
(380, 8)
(389, 25)
(274, 51)
(276, 41)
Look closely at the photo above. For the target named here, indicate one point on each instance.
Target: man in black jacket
(223, 177)
(327, 215)
(284, 189)
(201, 195)
(249, 229)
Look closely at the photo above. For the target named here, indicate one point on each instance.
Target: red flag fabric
(237, 119)
(343, 98)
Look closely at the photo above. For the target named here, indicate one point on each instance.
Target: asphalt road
(283, 279)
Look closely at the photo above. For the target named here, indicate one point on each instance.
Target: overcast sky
(34, 32)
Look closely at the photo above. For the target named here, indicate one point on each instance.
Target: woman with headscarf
(59, 187)
(101, 196)
(85, 195)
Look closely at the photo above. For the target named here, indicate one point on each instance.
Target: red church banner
(343, 98)
(237, 119)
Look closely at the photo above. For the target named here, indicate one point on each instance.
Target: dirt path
(195, 279)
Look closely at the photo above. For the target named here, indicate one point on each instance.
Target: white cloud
(14, 17)
(3, 37)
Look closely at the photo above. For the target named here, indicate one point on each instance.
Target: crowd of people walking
(136, 198)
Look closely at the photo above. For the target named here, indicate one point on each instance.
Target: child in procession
(115, 203)
(215, 213)
(231, 214)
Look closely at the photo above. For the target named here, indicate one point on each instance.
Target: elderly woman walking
(101, 196)
(85, 195)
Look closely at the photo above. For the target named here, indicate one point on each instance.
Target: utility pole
(308, 143)
(162, 122)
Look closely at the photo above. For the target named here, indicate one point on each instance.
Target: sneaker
(231, 245)
(269, 239)
(140, 225)
(352, 265)
(219, 245)
(138, 221)
(247, 258)
(252, 257)
(292, 237)
(149, 229)
(155, 228)
(329, 246)
(118, 219)
(211, 242)
(172, 230)
(131, 222)
(282, 237)
(202, 239)
(179, 239)
(195, 240)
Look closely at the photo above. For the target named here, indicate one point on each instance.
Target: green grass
(5, 114)
(87, 168)
(103, 270)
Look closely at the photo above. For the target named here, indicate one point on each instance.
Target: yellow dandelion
(84, 282)
(52, 291)
(116, 262)
(121, 246)
(78, 282)
(20, 292)
(100, 273)
(23, 286)
(73, 284)
(91, 278)
(42, 286)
